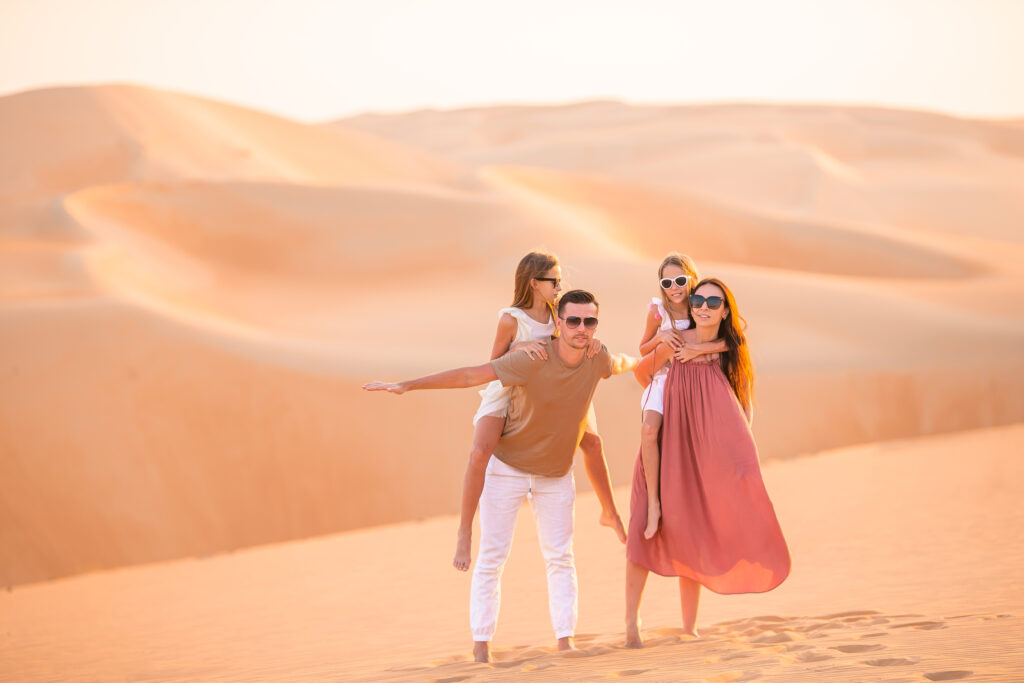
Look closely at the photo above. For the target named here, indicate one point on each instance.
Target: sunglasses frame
(706, 300)
(674, 281)
(556, 281)
(587, 325)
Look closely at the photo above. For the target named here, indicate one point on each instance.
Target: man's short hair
(575, 296)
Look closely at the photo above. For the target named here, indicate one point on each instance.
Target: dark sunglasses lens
(590, 323)
(713, 302)
(573, 321)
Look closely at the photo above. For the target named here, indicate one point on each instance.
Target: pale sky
(315, 60)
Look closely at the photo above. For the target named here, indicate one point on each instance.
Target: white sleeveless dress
(653, 396)
(495, 397)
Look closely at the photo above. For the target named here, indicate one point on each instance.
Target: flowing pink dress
(718, 526)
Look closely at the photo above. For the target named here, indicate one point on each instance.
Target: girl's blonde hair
(689, 268)
(530, 267)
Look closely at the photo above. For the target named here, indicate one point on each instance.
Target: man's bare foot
(463, 551)
(612, 519)
(481, 651)
(566, 644)
(633, 639)
(653, 519)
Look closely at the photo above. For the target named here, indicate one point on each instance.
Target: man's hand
(393, 387)
(623, 362)
(594, 347)
(533, 349)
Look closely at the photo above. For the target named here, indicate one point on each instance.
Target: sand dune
(907, 566)
(191, 294)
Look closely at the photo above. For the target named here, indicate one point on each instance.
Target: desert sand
(908, 566)
(191, 294)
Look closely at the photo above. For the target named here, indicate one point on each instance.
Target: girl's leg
(636, 578)
(597, 471)
(689, 597)
(485, 439)
(650, 455)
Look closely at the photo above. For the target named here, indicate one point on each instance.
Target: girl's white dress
(495, 397)
(653, 396)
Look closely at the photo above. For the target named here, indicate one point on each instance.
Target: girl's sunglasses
(573, 321)
(679, 281)
(713, 302)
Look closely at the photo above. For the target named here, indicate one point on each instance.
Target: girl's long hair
(531, 266)
(689, 268)
(736, 360)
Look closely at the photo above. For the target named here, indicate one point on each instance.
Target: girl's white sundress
(495, 397)
(653, 396)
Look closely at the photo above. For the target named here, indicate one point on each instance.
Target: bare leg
(485, 439)
(689, 596)
(636, 579)
(481, 651)
(597, 472)
(650, 455)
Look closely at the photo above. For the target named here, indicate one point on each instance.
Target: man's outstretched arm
(449, 379)
(623, 362)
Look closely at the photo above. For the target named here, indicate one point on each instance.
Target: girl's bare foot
(633, 639)
(481, 651)
(463, 551)
(653, 519)
(612, 520)
(566, 644)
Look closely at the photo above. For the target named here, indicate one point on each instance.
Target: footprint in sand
(537, 667)
(858, 648)
(628, 672)
(922, 625)
(948, 675)
(893, 661)
(809, 656)
(450, 679)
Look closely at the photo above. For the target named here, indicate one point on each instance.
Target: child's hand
(533, 349)
(594, 347)
(670, 338)
(393, 387)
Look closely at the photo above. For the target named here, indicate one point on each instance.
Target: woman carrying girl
(667, 316)
(718, 526)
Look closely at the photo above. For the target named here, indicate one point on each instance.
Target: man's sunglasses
(679, 280)
(553, 280)
(573, 321)
(713, 302)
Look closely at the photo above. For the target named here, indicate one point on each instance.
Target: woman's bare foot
(611, 519)
(481, 651)
(691, 634)
(653, 519)
(633, 639)
(463, 551)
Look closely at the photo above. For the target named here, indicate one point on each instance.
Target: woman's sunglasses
(573, 321)
(553, 280)
(713, 302)
(679, 281)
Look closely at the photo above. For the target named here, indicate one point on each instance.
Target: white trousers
(505, 490)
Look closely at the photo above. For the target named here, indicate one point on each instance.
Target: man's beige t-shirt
(547, 413)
